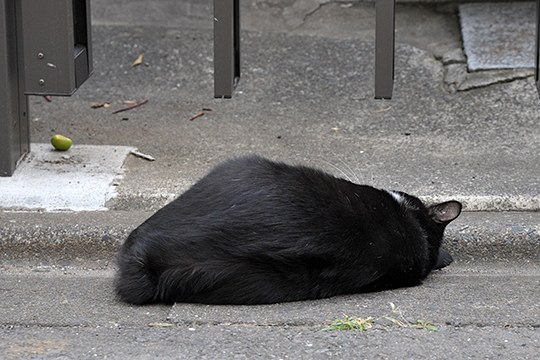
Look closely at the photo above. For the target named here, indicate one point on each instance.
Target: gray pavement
(306, 96)
(479, 310)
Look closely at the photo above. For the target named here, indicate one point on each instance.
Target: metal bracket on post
(226, 47)
(57, 54)
(384, 48)
(14, 124)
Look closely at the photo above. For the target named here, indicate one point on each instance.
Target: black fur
(254, 231)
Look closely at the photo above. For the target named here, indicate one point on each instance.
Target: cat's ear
(445, 212)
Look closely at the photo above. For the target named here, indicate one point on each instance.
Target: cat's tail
(134, 283)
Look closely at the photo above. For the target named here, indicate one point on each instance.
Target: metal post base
(226, 47)
(14, 125)
(384, 48)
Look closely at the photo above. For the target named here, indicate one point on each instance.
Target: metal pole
(14, 124)
(384, 48)
(236, 41)
(537, 60)
(226, 47)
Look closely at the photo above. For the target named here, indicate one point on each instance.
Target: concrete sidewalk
(306, 96)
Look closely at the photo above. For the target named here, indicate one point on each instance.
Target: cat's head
(433, 219)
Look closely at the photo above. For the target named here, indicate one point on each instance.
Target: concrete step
(70, 238)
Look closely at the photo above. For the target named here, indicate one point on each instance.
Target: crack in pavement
(311, 13)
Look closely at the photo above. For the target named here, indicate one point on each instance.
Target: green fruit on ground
(61, 143)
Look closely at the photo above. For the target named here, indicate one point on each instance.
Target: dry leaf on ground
(138, 61)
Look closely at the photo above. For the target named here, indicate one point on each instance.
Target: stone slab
(498, 35)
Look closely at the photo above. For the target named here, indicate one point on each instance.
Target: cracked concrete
(411, 21)
(486, 78)
(278, 15)
(458, 78)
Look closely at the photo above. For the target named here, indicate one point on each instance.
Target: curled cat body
(255, 231)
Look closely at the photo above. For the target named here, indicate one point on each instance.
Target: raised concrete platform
(83, 178)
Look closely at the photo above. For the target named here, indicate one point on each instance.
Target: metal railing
(227, 47)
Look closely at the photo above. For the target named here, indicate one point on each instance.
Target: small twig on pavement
(135, 105)
(201, 113)
(142, 156)
(197, 115)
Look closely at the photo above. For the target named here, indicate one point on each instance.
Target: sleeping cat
(254, 231)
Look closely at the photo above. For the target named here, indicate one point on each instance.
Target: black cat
(254, 231)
